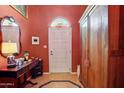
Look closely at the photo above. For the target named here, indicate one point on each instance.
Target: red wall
(23, 22)
(39, 17)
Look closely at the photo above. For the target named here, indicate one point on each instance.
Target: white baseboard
(46, 73)
(73, 72)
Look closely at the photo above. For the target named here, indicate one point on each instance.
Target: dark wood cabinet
(10, 77)
(102, 39)
(38, 69)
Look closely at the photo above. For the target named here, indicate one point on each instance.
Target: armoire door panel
(84, 52)
(118, 53)
(104, 46)
(97, 43)
(95, 47)
(93, 54)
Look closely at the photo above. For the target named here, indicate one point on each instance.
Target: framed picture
(22, 9)
(35, 40)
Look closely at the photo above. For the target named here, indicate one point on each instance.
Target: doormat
(59, 81)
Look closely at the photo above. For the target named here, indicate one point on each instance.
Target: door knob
(51, 52)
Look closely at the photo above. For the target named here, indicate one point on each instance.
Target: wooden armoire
(102, 46)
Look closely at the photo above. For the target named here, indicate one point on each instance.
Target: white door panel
(60, 45)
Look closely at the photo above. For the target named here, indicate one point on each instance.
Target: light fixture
(9, 49)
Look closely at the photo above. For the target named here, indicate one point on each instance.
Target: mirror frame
(1, 37)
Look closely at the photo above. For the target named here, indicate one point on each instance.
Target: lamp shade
(9, 48)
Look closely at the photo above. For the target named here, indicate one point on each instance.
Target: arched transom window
(60, 22)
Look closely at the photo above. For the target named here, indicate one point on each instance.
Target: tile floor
(56, 76)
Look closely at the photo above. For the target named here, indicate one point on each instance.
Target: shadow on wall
(3, 61)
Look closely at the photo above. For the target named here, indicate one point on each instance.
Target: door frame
(70, 71)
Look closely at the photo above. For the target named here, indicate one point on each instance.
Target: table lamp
(9, 49)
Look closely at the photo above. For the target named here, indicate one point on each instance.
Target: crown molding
(86, 12)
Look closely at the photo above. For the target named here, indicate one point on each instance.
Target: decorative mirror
(10, 33)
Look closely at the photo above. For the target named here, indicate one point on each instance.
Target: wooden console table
(10, 77)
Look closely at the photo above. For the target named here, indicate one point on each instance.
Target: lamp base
(11, 65)
(11, 61)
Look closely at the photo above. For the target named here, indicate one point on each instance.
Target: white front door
(60, 49)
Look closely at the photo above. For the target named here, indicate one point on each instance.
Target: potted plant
(26, 55)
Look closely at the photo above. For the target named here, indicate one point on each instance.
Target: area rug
(60, 84)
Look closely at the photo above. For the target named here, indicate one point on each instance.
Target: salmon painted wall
(39, 19)
(6, 10)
